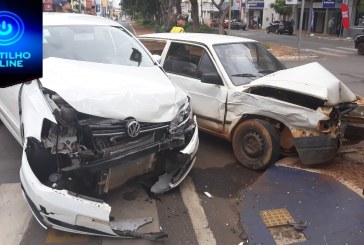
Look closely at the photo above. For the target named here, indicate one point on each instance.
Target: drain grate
(275, 217)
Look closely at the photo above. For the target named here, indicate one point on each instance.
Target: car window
(182, 59)
(154, 46)
(245, 62)
(101, 44)
(188, 60)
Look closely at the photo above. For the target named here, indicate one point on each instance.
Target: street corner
(347, 168)
(287, 205)
(286, 53)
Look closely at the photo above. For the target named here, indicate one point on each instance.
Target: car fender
(34, 109)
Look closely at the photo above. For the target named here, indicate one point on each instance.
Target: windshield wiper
(244, 75)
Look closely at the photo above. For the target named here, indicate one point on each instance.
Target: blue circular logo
(11, 28)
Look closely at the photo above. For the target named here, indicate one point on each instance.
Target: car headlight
(183, 116)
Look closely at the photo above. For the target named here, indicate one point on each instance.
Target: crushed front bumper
(71, 212)
(316, 149)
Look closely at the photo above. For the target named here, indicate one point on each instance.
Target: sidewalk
(140, 29)
(313, 35)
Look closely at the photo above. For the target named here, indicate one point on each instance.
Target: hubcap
(253, 144)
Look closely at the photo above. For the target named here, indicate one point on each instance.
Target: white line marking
(15, 214)
(337, 50)
(322, 52)
(198, 218)
(351, 49)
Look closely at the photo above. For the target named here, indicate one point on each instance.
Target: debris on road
(208, 194)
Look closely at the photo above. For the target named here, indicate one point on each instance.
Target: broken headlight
(183, 116)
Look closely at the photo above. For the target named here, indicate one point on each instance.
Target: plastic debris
(208, 194)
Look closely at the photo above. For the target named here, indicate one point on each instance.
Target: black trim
(36, 212)
(78, 228)
(132, 154)
(316, 149)
(212, 119)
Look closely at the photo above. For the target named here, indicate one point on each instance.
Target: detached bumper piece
(129, 227)
(125, 228)
(316, 149)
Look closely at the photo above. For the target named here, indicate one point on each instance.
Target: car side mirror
(136, 56)
(211, 78)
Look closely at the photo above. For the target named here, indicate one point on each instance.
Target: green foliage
(207, 29)
(281, 7)
(265, 45)
(143, 8)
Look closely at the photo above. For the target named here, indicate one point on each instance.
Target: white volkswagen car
(103, 113)
(241, 92)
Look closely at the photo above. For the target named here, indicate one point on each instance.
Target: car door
(9, 111)
(191, 67)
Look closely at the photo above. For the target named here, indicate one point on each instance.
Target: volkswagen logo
(133, 128)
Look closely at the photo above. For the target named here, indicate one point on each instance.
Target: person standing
(62, 6)
(331, 24)
(181, 22)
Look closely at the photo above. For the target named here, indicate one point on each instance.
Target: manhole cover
(275, 217)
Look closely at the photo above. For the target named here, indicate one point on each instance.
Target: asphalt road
(216, 172)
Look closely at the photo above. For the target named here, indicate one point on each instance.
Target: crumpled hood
(311, 79)
(114, 91)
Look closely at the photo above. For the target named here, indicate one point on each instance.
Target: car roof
(205, 38)
(54, 19)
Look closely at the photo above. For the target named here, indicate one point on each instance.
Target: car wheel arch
(286, 146)
(361, 48)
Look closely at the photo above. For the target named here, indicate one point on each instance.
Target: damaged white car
(241, 92)
(103, 113)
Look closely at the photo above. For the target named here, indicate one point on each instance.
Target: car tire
(256, 144)
(361, 48)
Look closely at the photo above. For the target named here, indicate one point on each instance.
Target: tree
(194, 15)
(223, 9)
(178, 6)
(282, 8)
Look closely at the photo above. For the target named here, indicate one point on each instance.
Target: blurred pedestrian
(93, 10)
(180, 24)
(62, 6)
(331, 24)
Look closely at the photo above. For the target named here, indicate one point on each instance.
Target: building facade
(316, 15)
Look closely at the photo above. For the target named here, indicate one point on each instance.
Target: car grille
(114, 127)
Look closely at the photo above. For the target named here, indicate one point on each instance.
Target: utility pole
(229, 17)
(201, 12)
(300, 30)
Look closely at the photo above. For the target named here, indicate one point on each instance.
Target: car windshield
(245, 62)
(100, 44)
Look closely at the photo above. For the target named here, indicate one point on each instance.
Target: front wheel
(361, 48)
(256, 144)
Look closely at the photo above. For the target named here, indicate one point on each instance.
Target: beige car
(242, 93)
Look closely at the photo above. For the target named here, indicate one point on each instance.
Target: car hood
(311, 79)
(114, 91)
